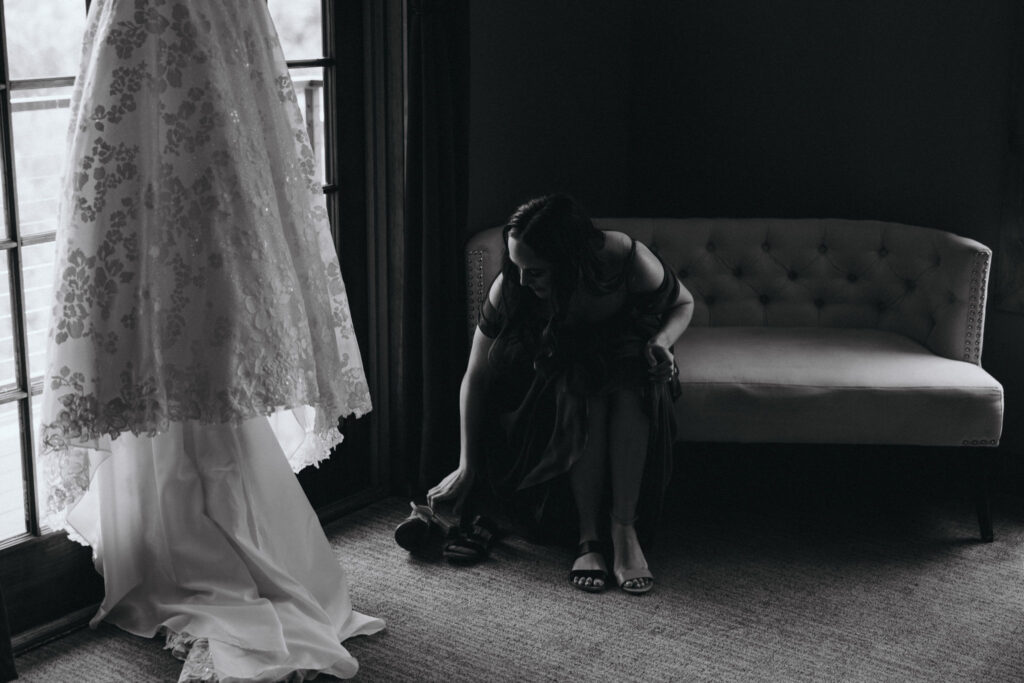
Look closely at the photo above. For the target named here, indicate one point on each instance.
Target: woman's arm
(472, 396)
(647, 275)
(472, 402)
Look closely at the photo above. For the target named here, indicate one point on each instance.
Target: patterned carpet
(759, 585)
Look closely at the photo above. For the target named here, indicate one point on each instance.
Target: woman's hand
(659, 360)
(453, 487)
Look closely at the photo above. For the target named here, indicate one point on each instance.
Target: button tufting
(764, 299)
(883, 252)
(822, 248)
(709, 299)
(765, 246)
(737, 271)
(881, 306)
(909, 285)
(938, 261)
(710, 246)
(819, 303)
(792, 275)
(852, 277)
(683, 273)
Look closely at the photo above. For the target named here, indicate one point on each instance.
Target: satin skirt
(203, 532)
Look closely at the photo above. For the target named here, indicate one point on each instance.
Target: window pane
(40, 132)
(298, 27)
(12, 496)
(44, 39)
(37, 278)
(309, 88)
(6, 232)
(7, 373)
(41, 490)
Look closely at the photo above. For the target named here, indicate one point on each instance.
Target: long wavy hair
(558, 231)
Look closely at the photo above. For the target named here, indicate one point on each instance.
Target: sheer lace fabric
(196, 275)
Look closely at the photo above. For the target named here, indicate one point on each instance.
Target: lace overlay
(196, 277)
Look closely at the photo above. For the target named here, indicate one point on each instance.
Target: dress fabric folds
(537, 426)
(200, 348)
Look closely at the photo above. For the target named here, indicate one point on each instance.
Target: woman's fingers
(661, 371)
(649, 354)
(657, 355)
(444, 490)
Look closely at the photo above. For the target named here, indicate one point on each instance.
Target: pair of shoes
(423, 532)
(471, 543)
(594, 574)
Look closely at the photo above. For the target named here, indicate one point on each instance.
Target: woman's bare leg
(587, 479)
(628, 429)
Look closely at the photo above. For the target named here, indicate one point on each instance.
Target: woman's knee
(626, 406)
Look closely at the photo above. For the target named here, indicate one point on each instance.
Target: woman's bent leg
(587, 479)
(628, 429)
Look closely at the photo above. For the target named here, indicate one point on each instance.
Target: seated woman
(569, 383)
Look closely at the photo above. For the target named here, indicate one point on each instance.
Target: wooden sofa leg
(985, 471)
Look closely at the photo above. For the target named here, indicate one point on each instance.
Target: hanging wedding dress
(200, 344)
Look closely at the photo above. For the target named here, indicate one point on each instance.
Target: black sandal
(423, 532)
(582, 549)
(472, 543)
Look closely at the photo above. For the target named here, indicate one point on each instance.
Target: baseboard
(44, 633)
(333, 511)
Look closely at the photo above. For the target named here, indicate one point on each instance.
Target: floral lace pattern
(196, 277)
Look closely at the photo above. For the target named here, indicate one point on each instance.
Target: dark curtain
(1008, 269)
(431, 339)
(7, 672)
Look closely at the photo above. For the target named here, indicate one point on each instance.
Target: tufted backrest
(929, 285)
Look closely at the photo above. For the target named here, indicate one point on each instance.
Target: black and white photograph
(511, 340)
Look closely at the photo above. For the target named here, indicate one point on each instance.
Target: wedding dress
(200, 344)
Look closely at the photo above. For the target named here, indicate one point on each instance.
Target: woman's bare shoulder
(495, 292)
(616, 248)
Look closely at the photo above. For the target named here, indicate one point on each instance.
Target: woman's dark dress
(537, 425)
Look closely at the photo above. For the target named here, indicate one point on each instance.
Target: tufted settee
(819, 331)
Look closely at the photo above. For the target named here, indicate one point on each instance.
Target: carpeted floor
(756, 586)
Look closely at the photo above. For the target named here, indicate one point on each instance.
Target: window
(40, 42)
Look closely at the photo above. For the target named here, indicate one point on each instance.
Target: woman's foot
(630, 565)
(590, 571)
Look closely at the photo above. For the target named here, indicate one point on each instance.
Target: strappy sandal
(471, 543)
(582, 549)
(624, 575)
(423, 532)
(630, 574)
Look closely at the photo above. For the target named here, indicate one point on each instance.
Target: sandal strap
(630, 574)
(588, 574)
(592, 546)
(480, 534)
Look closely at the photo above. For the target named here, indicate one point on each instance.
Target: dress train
(205, 533)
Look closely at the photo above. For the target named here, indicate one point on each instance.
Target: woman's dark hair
(558, 231)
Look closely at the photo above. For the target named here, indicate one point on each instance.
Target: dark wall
(895, 110)
(549, 104)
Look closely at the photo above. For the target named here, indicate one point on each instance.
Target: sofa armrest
(483, 263)
(958, 329)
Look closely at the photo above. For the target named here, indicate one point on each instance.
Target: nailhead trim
(976, 308)
(475, 278)
(980, 442)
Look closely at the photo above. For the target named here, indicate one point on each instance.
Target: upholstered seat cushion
(825, 385)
